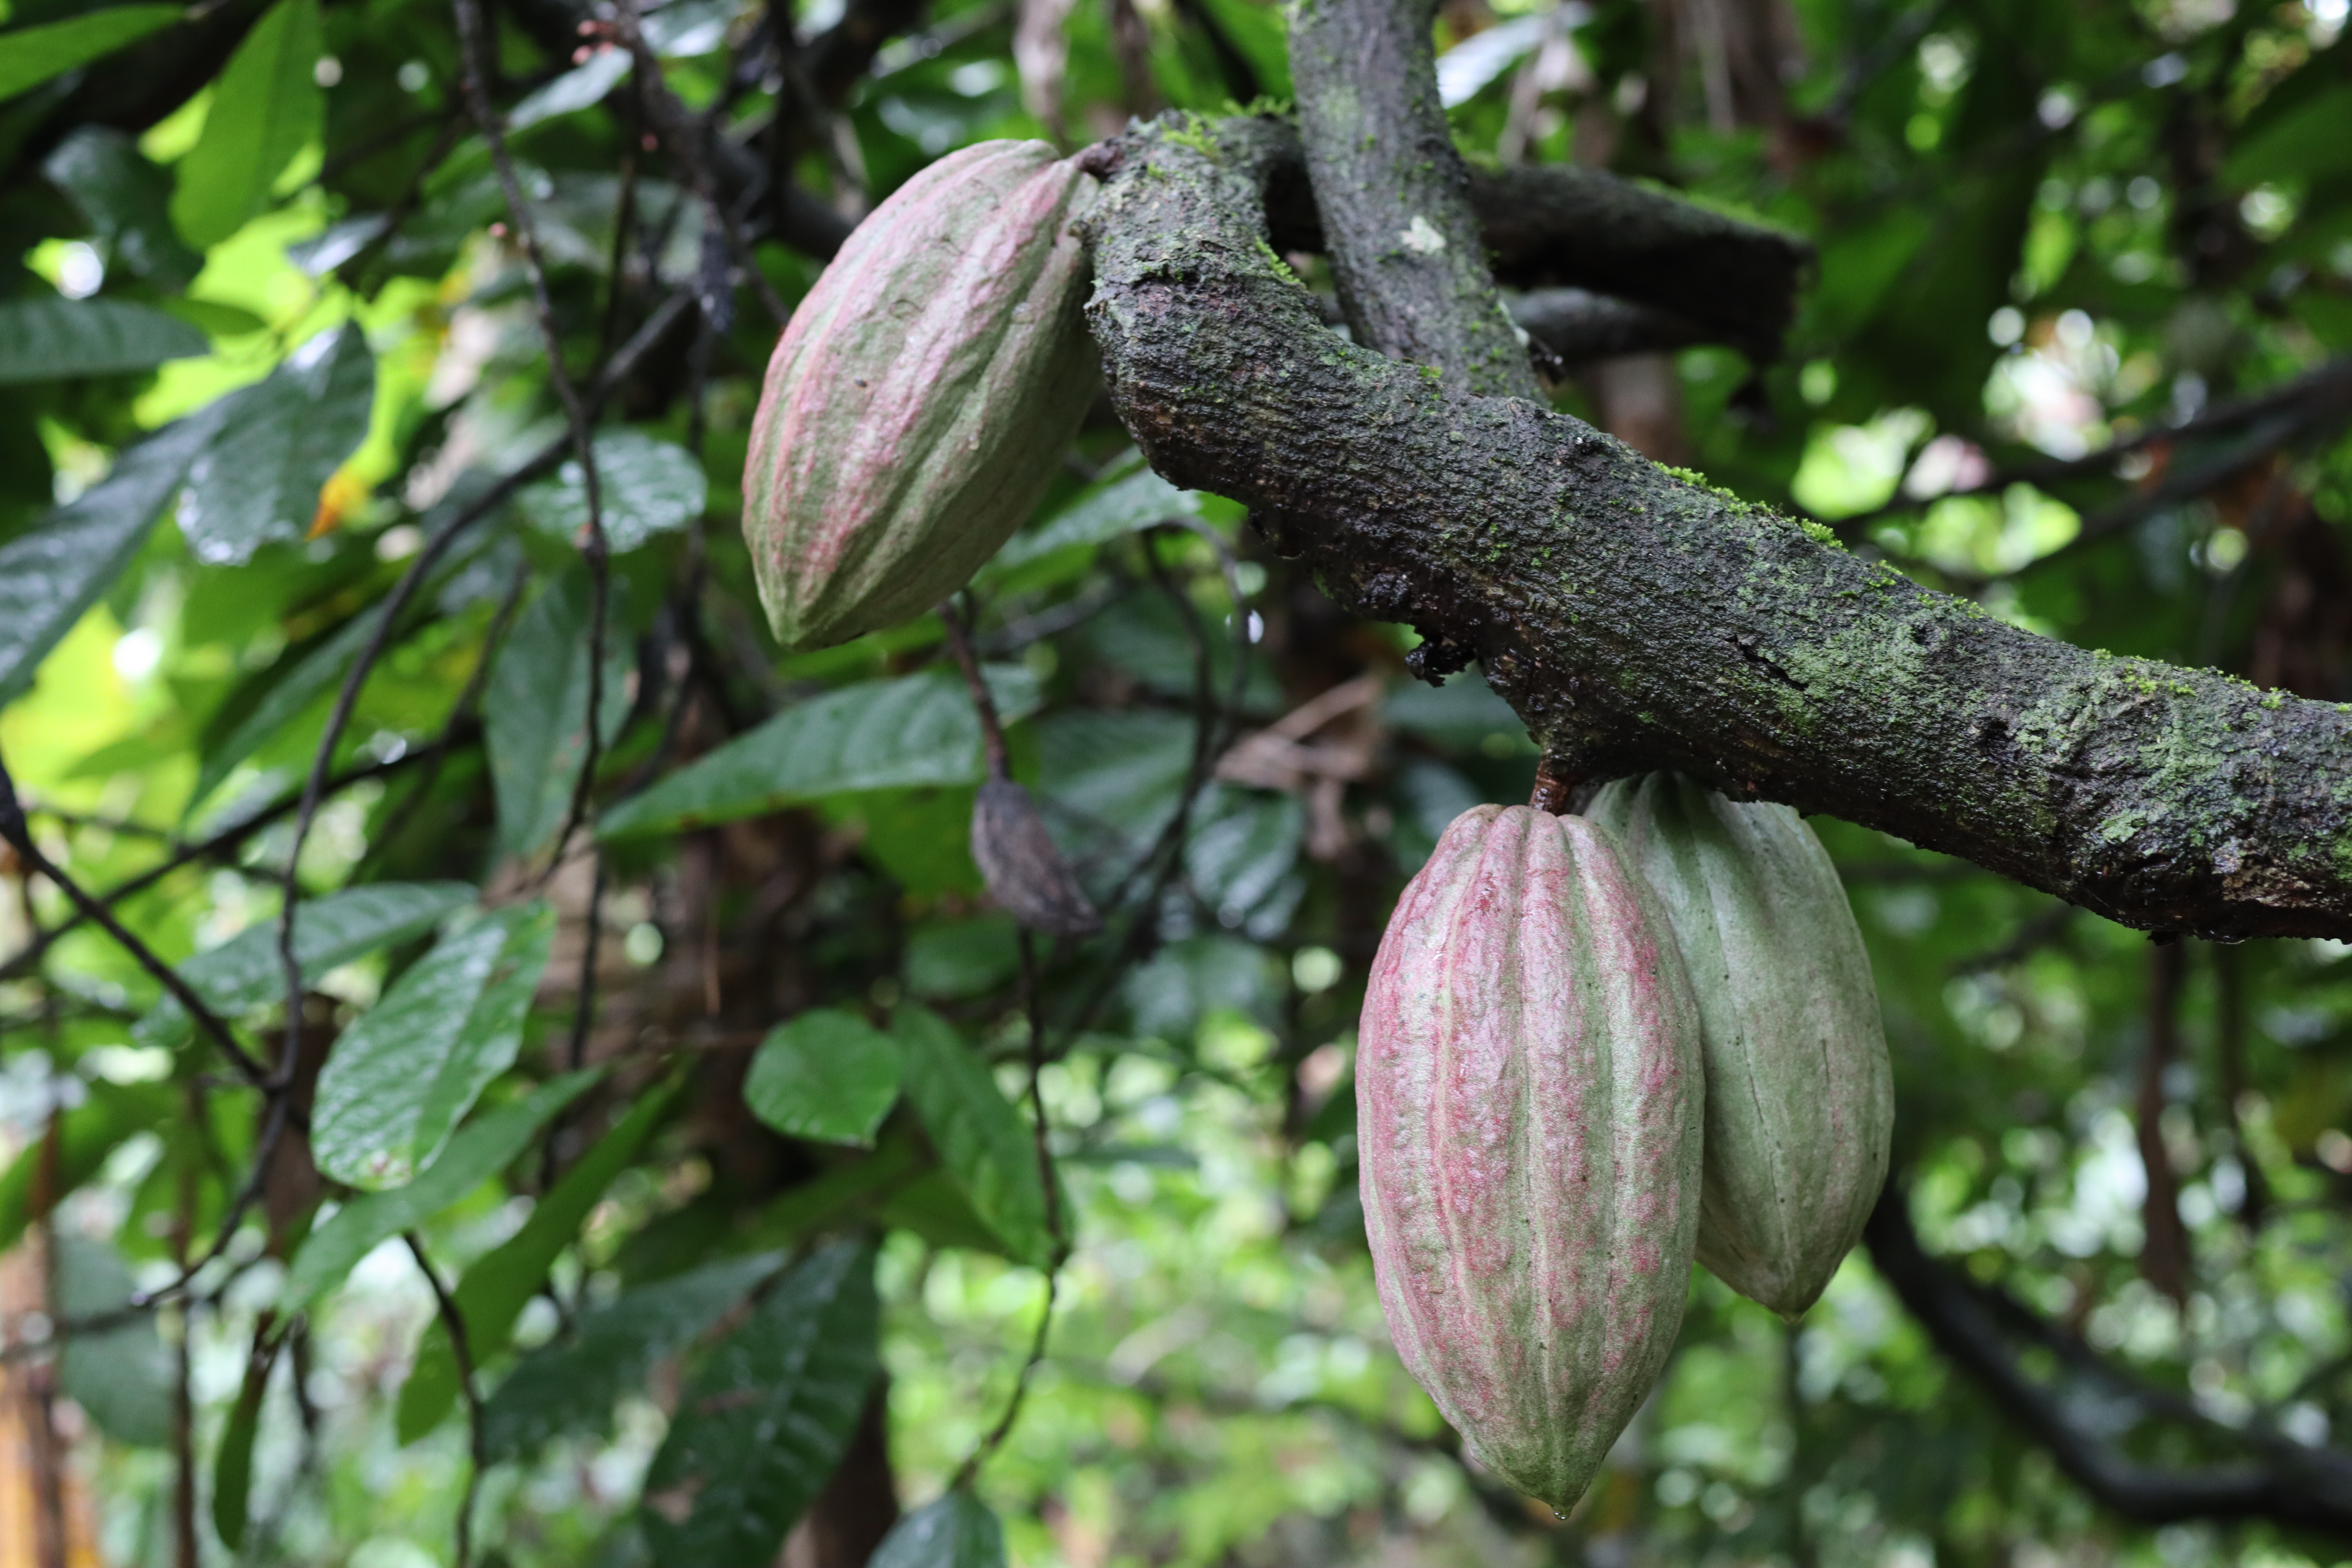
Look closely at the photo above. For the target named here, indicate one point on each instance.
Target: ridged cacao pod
(916, 407)
(1527, 1103)
(1800, 1097)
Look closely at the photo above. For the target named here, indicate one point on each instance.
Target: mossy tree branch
(1636, 617)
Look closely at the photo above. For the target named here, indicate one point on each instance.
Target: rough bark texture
(1405, 243)
(1637, 618)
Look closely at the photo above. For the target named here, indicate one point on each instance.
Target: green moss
(1822, 533)
(1281, 268)
(1193, 133)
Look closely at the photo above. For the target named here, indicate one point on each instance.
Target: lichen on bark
(1635, 619)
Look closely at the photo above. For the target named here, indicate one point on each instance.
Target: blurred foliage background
(650, 998)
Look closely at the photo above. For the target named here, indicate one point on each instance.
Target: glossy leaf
(405, 1075)
(645, 487)
(1122, 506)
(955, 1530)
(878, 734)
(582, 87)
(538, 709)
(121, 1374)
(280, 441)
(572, 1385)
(244, 971)
(478, 1152)
(492, 1292)
(1241, 854)
(55, 570)
(31, 56)
(266, 105)
(982, 1141)
(53, 339)
(827, 1075)
(126, 199)
(765, 1419)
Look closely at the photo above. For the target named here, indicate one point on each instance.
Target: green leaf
(233, 1465)
(126, 199)
(316, 672)
(1111, 779)
(1120, 507)
(1186, 981)
(955, 1531)
(266, 107)
(582, 87)
(1240, 855)
(31, 56)
(1462, 715)
(877, 735)
(55, 570)
(766, 1418)
(827, 1075)
(981, 1139)
(121, 1375)
(2308, 142)
(53, 339)
(961, 959)
(538, 709)
(244, 971)
(933, 1207)
(573, 1386)
(85, 1136)
(280, 440)
(477, 1152)
(402, 1076)
(493, 1292)
(647, 487)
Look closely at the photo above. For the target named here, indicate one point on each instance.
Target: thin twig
(19, 836)
(594, 548)
(453, 1322)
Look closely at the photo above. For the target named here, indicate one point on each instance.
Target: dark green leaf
(1240, 855)
(2311, 140)
(121, 1375)
(582, 87)
(1464, 714)
(951, 962)
(244, 971)
(477, 1152)
(1186, 981)
(647, 487)
(538, 709)
(265, 106)
(54, 338)
(955, 1531)
(1122, 506)
(233, 1465)
(571, 1386)
(280, 442)
(319, 671)
(827, 1075)
(878, 734)
(126, 200)
(58, 569)
(981, 1139)
(31, 56)
(402, 1076)
(765, 1419)
(493, 1292)
(1110, 783)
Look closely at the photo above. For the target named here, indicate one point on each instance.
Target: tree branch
(2080, 1414)
(1403, 242)
(1639, 619)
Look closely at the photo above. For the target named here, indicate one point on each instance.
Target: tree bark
(1639, 618)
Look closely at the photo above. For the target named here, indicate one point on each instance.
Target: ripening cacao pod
(1528, 1104)
(1800, 1097)
(916, 407)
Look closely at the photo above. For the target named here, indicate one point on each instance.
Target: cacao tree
(544, 1023)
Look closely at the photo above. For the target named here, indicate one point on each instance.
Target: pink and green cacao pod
(1528, 1104)
(1800, 1098)
(918, 404)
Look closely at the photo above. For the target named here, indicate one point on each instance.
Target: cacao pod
(919, 401)
(1528, 1102)
(1800, 1097)
(1025, 872)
